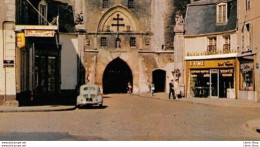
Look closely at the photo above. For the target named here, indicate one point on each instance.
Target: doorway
(116, 76)
(214, 80)
(46, 78)
(159, 77)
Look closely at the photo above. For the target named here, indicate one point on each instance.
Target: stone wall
(7, 41)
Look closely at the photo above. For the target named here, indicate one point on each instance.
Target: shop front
(211, 78)
(39, 65)
(247, 79)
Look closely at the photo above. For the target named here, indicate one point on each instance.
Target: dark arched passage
(116, 76)
(159, 77)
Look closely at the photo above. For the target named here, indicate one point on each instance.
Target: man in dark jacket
(171, 86)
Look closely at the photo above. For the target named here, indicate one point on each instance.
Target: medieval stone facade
(126, 41)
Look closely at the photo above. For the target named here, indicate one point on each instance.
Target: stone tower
(123, 41)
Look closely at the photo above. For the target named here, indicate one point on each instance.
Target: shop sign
(211, 64)
(199, 71)
(196, 63)
(39, 33)
(247, 67)
(226, 64)
(226, 72)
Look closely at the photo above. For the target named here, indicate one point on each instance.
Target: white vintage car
(89, 95)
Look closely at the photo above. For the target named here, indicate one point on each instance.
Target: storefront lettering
(197, 63)
(227, 63)
(199, 71)
(226, 71)
(39, 33)
(247, 67)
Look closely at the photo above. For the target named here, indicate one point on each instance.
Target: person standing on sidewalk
(171, 91)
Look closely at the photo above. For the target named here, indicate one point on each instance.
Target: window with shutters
(226, 46)
(222, 13)
(212, 45)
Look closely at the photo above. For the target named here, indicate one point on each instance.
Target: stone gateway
(125, 41)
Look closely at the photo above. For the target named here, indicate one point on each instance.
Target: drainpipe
(3, 35)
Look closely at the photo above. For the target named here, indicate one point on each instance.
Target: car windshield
(89, 88)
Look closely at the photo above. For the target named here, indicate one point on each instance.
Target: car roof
(89, 85)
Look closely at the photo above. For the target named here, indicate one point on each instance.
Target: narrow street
(125, 117)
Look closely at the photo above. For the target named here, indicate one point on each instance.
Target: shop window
(130, 4)
(222, 13)
(105, 3)
(103, 41)
(43, 6)
(212, 43)
(132, 41)
(247, 70)
(199, 83)
(226, 46)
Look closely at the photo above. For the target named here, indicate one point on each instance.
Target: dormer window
(222, 13)
(43, 7)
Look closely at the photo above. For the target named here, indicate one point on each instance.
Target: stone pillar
(8, 47)
(179, 63)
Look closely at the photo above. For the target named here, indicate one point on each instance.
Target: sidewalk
(220, 102)
(46, 108)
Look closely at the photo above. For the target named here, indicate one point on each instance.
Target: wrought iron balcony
(211, 49)
(226, 48)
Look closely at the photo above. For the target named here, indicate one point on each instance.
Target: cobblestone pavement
(125, 117)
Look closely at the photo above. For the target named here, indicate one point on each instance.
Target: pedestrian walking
(129, 87)
(171, 91)
(151, 86)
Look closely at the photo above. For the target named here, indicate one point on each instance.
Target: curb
(37, 109)
(186, 100)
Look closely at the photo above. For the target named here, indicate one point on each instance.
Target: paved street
(125, 117)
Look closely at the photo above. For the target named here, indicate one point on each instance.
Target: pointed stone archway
(118, 16)
(116, 76)
(159, 79)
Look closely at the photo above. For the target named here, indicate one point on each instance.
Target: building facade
(7, 55)
(40, 65)
(212, 69)
(126, 41)
(248, 47)
(67, 43)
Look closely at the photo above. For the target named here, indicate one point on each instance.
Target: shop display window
(199, 83)
(248, 81)
(247, 73)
